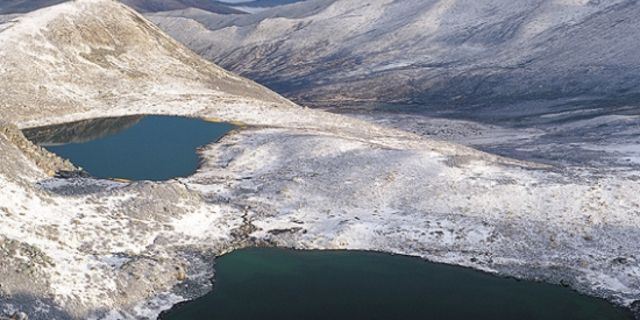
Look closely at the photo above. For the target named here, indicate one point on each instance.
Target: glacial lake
(293, 285)
(135, 147)
(270, 284)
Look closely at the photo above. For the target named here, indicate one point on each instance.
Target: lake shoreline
(183, 307)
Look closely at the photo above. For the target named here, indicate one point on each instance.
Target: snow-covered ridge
(293, 177)
(88, 54)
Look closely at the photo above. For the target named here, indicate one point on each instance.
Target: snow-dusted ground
(291, 176)
(602, 143)
(444, 53)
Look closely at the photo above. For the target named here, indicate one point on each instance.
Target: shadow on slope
(36, 308)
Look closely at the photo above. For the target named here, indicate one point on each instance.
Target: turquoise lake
(134, 148)
(270, 284)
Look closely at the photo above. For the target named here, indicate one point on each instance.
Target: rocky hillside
(84, 55)
(565, 70)
(442, 53)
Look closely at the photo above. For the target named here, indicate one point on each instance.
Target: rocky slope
(567, 70)
(436, 52)
(80, 63)
(291, 177)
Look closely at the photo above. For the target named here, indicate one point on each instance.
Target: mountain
(167, 5)
(448, 55)
(116, 55)
(529, 79)
(87, 248)
(264, 3)
(23, 6)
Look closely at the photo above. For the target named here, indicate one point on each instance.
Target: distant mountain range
(166, 5)
(23, 6)
(263, 3)
(211, 6)
(144, 6)
(566, 69)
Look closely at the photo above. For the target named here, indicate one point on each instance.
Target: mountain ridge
(117, 53)
(449, 53)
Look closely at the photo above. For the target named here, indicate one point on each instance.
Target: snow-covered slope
(548, 66)
(84, 55)
(435, 52)
(292, 176)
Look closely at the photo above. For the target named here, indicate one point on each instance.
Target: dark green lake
(134, 148)
(306, 285)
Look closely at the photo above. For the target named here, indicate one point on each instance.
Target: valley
(492, 191)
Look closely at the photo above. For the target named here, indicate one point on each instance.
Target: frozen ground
(291, 176)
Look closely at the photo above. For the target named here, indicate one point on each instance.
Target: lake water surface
(270, 284)
(134, 148)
